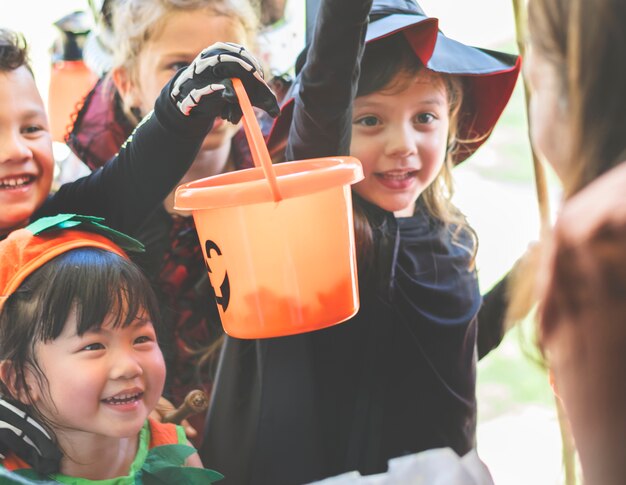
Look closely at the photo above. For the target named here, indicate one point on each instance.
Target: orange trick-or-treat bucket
(278, 240)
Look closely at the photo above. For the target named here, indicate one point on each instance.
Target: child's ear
(8, 376)
(125, 87)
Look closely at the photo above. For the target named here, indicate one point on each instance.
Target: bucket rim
(249, 186)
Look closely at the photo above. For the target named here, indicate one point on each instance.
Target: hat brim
(24, 252)
(489, 78)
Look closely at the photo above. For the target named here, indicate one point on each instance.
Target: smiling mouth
(397, 175)
(123, 399)
(9, 183)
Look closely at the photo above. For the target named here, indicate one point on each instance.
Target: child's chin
(400, 209)
(129, 430)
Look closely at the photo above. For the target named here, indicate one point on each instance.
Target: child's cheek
(157, 375)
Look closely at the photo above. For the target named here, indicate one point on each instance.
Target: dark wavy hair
(13, 51)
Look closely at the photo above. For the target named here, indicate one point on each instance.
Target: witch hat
(489, 76)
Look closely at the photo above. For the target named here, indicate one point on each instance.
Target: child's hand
(163, 408)
(204, 86)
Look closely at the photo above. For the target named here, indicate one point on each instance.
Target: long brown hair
(585, 41)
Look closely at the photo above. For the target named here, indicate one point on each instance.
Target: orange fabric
(22, 252)
(12, 462)
(162, 434)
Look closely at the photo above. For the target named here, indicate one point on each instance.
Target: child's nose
(125, 365)
(401, 142)
(12, 148)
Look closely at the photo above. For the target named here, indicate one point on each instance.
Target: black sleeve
(322, 118)
(491, 317)
(148, 166)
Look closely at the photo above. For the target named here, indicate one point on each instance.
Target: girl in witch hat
(80, 364)
(382, 83)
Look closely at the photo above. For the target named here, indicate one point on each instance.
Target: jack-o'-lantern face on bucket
(217, 274)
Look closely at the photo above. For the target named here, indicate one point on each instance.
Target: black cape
(397, 378)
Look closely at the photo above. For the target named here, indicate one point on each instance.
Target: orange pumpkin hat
(28, 249)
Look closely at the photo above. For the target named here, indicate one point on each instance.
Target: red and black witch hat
(490, 76)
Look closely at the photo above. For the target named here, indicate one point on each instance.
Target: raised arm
(322, 118)
(164, 145)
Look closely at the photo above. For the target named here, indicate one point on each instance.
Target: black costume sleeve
(491, 317)
(148, 166)
(322, 118)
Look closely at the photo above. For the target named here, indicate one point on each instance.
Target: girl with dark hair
(80, 365)
(146, 162)
(150, 41)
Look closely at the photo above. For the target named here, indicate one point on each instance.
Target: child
(578, 116)
(399, 377)
(80, 366)
(152, 39)
(147, 167)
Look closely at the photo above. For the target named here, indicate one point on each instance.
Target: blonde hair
(135, 22)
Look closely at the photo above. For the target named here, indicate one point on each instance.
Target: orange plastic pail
(278, 240)
(279, 268)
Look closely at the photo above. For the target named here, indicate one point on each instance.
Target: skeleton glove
(25, 437)
(205, 87)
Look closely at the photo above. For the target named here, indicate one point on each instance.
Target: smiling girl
(80, 365)
(382, 84)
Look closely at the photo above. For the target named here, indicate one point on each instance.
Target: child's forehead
(114, 321)
(423, 77)
(109, 329)
(21, 75)
(19, 84)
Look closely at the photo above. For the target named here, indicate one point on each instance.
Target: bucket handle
(260, 155)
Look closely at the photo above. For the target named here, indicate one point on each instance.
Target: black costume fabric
(163, 145)
(173, 258)
(397, 378)
(24, 436)
(146, 169)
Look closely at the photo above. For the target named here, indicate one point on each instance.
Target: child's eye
(94, 346)
(32, 129)
(425, 118)
(144, 339)
(176, 66)
(367, 121)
